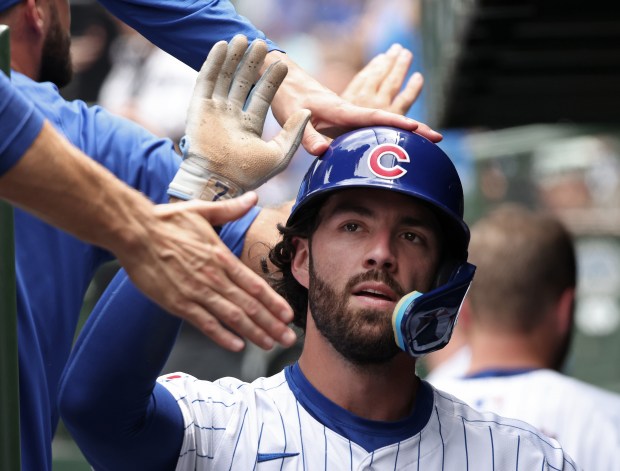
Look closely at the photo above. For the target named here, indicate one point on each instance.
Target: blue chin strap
(423, 323)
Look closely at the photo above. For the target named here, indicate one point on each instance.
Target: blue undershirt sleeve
(20, 124)
(108, 397)
(186, 29)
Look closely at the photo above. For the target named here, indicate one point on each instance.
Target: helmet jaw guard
(398, 160)
(424, 323)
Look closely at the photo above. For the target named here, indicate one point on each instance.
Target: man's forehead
(372, 201)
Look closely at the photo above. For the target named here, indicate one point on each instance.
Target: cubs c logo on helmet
(380, 170)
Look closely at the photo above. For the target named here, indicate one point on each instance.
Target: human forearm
(262, 236)
(171, 252)
(59, 184)
(43, 173)
(331, 115)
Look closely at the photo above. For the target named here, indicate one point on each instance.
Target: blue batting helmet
(392, 159)
(398, 160)
(6, 4)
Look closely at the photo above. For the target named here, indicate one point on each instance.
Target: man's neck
(499, 351)
(383, 392)
(25, 61)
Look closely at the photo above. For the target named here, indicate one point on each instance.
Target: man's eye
(410, 236)
(351, 227)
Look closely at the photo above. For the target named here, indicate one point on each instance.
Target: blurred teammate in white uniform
(378, 218)
(519, 319)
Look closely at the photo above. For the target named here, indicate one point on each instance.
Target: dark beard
(56, 64)
(345, 329)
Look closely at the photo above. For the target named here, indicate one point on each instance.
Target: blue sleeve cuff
(233, 233)
(20, 124)
(196, 26)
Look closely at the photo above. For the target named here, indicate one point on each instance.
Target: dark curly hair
(282, 254)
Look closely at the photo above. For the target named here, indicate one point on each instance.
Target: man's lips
(376, 290)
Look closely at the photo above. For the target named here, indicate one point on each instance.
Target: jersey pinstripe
(263, 425)
(583, 418)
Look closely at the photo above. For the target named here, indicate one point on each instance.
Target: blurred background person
(519, 320)
(147, 85)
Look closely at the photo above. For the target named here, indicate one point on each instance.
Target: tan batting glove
(224, 154)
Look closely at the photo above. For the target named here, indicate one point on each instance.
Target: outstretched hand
(378, 85)
(188, 270)
(225, 153)
(333, 115)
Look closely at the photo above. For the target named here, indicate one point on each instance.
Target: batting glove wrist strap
(194, 181)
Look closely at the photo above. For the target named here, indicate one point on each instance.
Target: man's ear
(35, 15)
(565, 310)
(300, 263)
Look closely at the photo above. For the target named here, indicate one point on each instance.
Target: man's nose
(380, 252)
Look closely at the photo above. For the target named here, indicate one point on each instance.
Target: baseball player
(377, 222)
(519, 322)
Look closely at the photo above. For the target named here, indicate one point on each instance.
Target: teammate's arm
(188, 30)
(170, 251)
(108, 397)
(333, 115)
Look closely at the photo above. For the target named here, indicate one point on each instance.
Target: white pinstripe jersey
(583, 418)
(271, 424)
